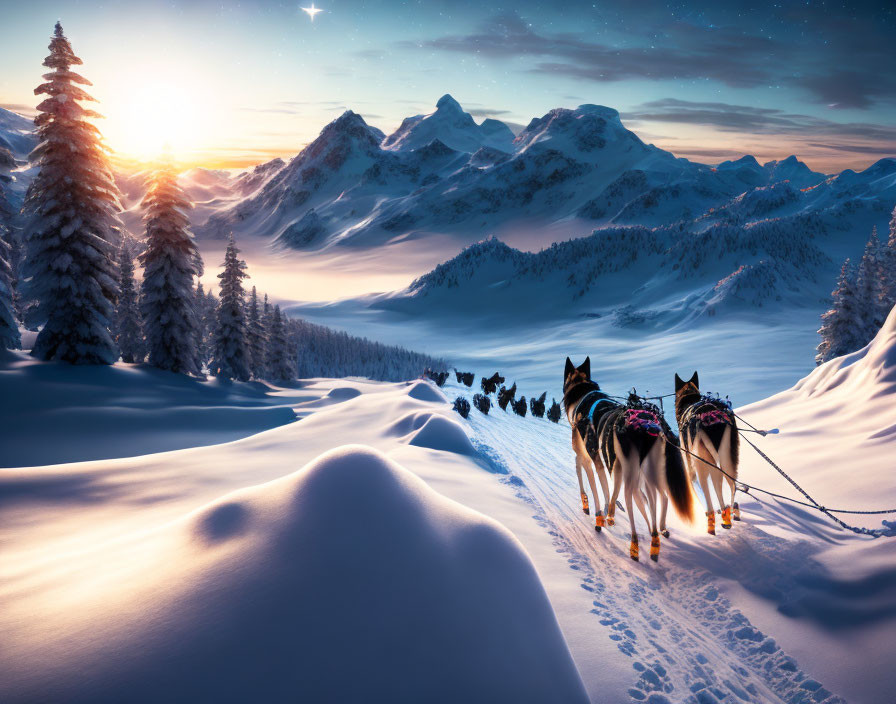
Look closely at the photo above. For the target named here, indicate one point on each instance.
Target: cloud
(486, 112)
(745, 118)
(730, 57)
(719, 152)
(680, 50)
(883, 150)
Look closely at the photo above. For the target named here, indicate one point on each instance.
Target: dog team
(633, 444)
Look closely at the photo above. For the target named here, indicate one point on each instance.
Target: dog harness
(713, 417)
(595, 402)
(642, 419)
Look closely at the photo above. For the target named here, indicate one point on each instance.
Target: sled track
(686, 641)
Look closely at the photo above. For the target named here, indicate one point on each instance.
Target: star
(312, 11)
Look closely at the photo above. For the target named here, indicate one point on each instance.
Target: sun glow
(151, 114)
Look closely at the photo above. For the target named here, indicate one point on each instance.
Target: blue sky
(237, 82)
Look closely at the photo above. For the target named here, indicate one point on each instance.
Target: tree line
(863, 297)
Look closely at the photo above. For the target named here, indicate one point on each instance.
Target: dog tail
(735, 447)
(679, 485)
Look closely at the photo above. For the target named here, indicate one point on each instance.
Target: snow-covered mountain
(443, 173)
(639, 274)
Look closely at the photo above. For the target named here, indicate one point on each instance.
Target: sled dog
(708, 429)
(628, 442)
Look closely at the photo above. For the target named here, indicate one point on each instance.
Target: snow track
(685, 639)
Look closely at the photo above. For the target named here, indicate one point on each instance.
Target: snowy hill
(670, 271)
(843, 413)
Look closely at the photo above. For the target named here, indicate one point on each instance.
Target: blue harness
(594, 405)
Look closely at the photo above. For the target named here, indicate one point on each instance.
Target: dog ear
(695, 381)
(679, 383)
(570, 367)
(586, 367)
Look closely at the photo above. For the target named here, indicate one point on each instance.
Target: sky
(230, 84)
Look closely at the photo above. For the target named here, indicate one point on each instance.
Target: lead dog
(629, 443)
(709, 430)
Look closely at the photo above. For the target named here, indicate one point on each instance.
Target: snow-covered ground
(275, 566)
(213, 570)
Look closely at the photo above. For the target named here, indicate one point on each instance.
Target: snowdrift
(838, 428)
(348, 580)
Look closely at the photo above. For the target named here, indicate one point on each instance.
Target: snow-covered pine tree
(202, 325)
(257, 341)
(266, 313)
(280, 364)
(9, 328)
(128, 321)
(71, 233)
(869, 290)
(170, 263)
(10, 230)
(231, 354)
(888, 269)
(842, 325)
(211, 318)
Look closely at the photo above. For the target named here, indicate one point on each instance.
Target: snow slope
(256, 596)
(229, 572)
(53, 413)
(784, 607)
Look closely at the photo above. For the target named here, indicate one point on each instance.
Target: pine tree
(279, 363)
(888, 269)
(202, 325)
(266, 314)
(869, 290)
(231, 355)
(71, 223)
(257, 341)
(842, 325)
(170, 262)
(9, 328)
(10, 232)
(128, 322)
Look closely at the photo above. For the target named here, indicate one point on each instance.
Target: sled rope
(829, 512)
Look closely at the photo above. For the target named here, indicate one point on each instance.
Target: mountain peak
(453, 127)
(599, 110)
(448, 104)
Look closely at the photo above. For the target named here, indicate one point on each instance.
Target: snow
(51, 413)
(235, 572)
(768, 611)
(451, 126)
(410, 596)
(16, 133)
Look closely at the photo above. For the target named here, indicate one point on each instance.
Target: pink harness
(713, 417)
(643, 420)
